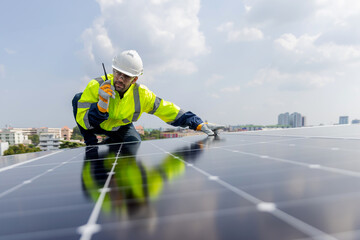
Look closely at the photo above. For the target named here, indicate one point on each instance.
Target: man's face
(122, 82)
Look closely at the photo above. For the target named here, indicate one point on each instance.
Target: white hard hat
(128, 62)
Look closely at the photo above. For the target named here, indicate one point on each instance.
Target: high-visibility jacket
(122, 111)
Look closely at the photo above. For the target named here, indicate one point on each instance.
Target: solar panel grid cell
(264, 185)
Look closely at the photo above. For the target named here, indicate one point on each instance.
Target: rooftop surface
(287, 184)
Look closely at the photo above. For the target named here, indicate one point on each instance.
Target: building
(99, 138)
(170, 134)
(355, 121)
(303, 121)
(13, 136)
(66, 133)
(284, 119)
(140, 130)
(3, 147)
(179, 133)
(49, 141)
(56, 131)
(344, 120)
(26, 131)
(295, 120)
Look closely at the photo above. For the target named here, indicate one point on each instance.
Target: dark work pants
(126, 133)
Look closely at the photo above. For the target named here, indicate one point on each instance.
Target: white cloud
(165, 33)
(158, 1)
(214, 95)
(244, 34)
(291, 81)
(298, 45)
(339, 52)
(338, 13)
(177, 65)
(214, 79)
(98, 46)
(306, 47)
(105, 4)
(230, 89)
(2, 71)
(9, 51)
(226, 27)
(278, 12)
(247, 8)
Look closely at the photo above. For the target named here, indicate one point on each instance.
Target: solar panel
(287, 184)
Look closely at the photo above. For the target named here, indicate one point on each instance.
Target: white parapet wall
(3, 147)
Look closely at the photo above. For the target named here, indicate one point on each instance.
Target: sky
(231, 62)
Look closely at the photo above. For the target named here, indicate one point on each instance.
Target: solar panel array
(286, 184)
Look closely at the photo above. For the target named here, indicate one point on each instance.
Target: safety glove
(106, 91)
(210, 129)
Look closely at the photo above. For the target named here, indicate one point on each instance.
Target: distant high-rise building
(344, 120)
(303, 121)
(283, 119)
(295, 120)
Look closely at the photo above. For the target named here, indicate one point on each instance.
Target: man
(109, 105)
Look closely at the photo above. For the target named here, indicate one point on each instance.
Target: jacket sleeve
(171, 113)
(187, 119)
(88, 115)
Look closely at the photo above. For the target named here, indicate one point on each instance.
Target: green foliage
(76, 135)
(67, 144)
(21, 148)
(34, 139)
(76, 130)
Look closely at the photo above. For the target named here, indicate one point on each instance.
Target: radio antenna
(105, 71)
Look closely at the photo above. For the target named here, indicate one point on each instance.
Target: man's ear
(134, 80)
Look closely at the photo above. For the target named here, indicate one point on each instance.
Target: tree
(67, 144)
(21, 148)
(76, 135)
(34, 139)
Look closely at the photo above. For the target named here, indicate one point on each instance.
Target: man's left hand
(210, 129)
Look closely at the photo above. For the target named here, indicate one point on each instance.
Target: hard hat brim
(126, 72)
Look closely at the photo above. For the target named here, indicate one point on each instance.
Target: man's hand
(106, 91)
(209, 128)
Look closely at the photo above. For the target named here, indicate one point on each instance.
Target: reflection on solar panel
(288, 184)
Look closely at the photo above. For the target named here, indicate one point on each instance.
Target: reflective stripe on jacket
(136, 100)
